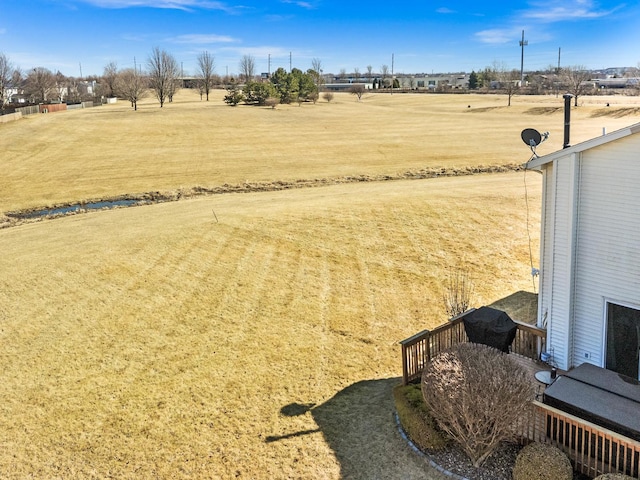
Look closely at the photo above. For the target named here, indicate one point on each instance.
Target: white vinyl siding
(607, 259)
(546, 240)
(556, 302)
(590, 242)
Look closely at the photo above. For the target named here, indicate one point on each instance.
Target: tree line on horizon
(161, 76)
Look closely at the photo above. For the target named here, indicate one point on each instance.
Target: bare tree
(357, 89)
(369, 72)
(488, 75)
(6, 69)
(109, 77)
(163, 74)
(458, 293)
(248, 68)
(356, 74)
(316, 73)
(131, 85)
(174, 85)
(73, 91)
(61, 86)
(200, 87)
(575, 78)
(40, 83)
(343, 74)
(316, 64)
(509, 81)
(384, 73)
(464, 386)
(206, 67)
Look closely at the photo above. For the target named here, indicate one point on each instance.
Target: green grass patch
(415, 418)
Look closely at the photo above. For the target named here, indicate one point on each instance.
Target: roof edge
(539, 162)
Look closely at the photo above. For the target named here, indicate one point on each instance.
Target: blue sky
(82, 36)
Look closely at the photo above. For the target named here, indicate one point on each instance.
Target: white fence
(10, 117)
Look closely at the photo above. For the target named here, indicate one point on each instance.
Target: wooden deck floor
(532, 367)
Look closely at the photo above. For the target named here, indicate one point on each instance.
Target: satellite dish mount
(533, 138)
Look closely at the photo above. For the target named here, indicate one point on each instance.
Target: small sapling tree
(458, 293)
(358, 90)
(328, 96)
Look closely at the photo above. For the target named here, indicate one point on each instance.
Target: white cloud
(301, 4)
(202, 38)
(568, 10)
(258, 51)
(497, 36)
(278, 18)
(170, 4)
(445, 10)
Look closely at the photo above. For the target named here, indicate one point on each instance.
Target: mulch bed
(497, 467)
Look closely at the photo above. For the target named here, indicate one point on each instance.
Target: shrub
(328, 96)
(477, 395)
(541, 461)
(358, 90)
(415, 418)
(272, 102)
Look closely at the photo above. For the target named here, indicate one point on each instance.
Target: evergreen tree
(473, 81)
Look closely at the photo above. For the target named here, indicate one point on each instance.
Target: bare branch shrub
(458, 293)
(358, 90)
(477, 395)
(328, 96)
(272, 102)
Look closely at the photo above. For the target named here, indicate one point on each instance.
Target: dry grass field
(247, 335)
(112, 150)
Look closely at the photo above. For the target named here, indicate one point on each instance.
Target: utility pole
(523, 43)
(392, 59)
(559, 49)
(269, 66)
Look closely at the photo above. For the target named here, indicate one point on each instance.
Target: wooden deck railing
(420, 348)
(593, 450)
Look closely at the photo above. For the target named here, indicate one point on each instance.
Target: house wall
(555, 305)
(608, 254)
(590, 252)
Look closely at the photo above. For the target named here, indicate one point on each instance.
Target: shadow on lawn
(358, 424)
(521, 306)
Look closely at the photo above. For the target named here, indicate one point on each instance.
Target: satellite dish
(531, 137)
